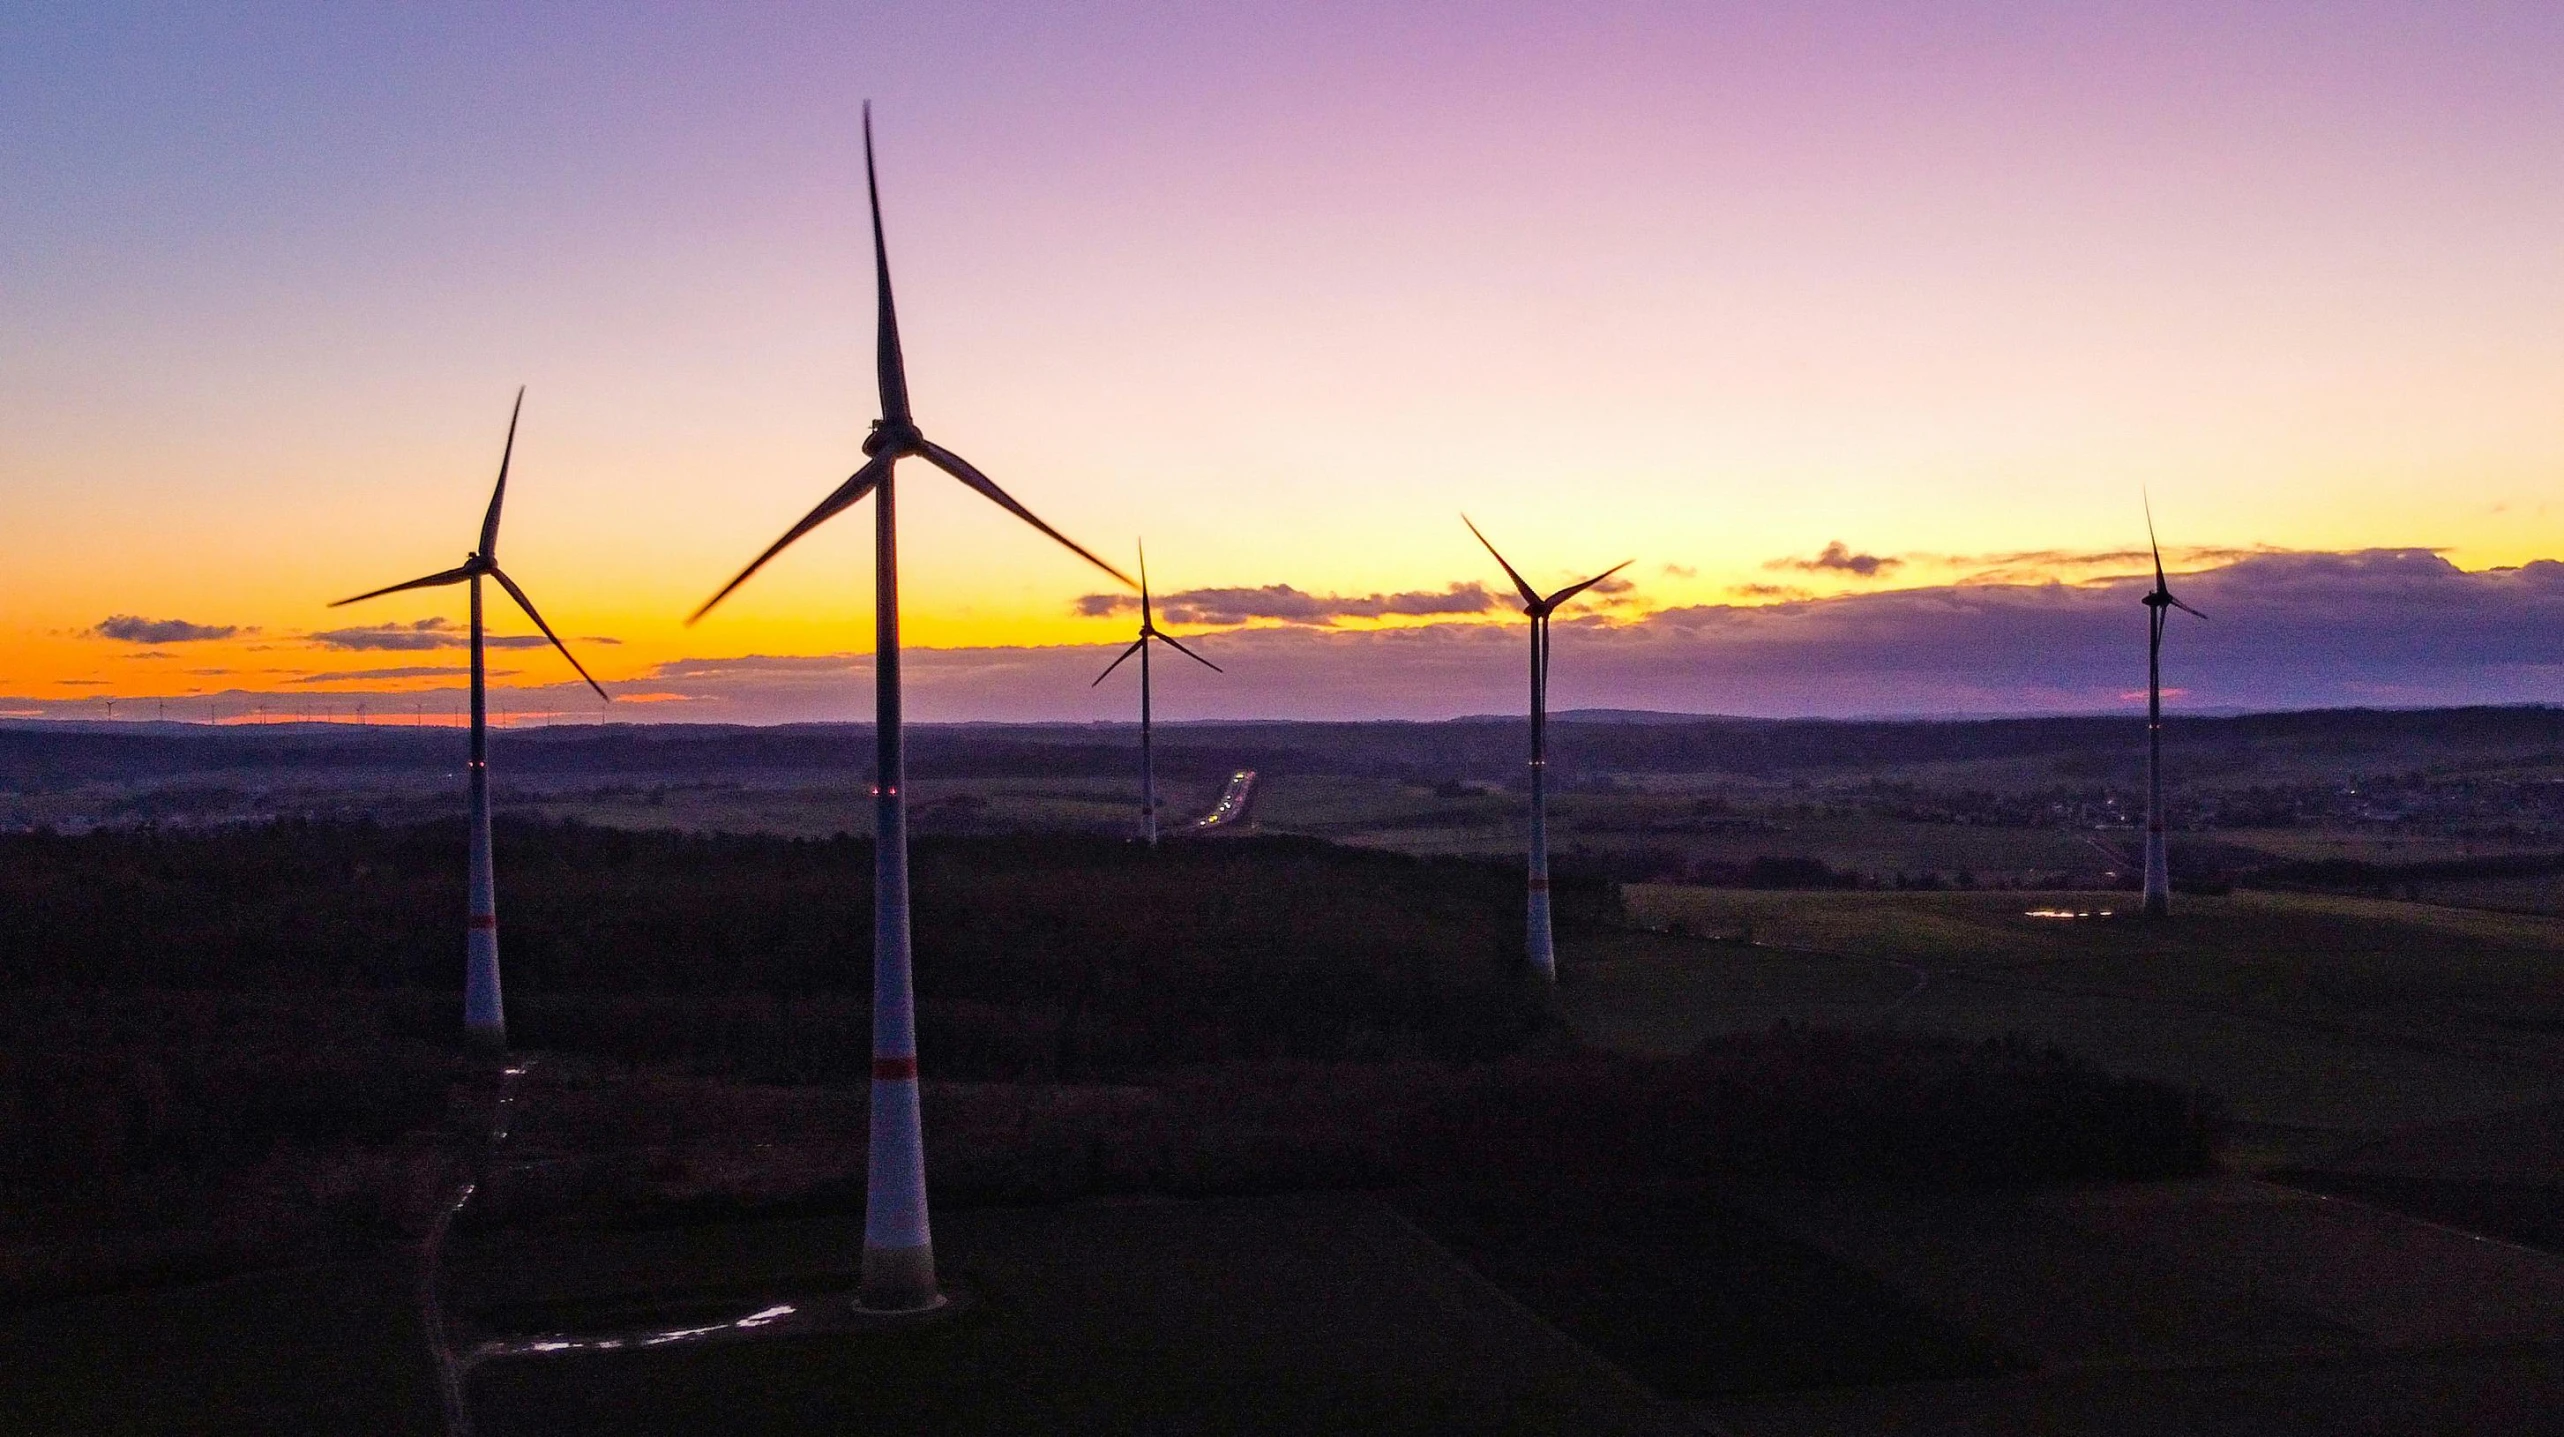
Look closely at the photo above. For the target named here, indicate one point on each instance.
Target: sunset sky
(1861, 327)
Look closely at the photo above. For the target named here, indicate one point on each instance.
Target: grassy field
(319, 1349)
(1666, 822)
(1314, 1315)
(817, 806)
(2387, 847)
(2320, 1019)
(1691, 1294)
(2299, 954)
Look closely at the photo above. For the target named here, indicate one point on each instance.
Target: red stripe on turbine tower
(894, 1070)
(2159, 603)
(484, 1017)
(1537, 943)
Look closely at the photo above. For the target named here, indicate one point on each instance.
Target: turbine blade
(2150, 539)
(1530, 595)
(432, 581)
(527, 604)
(1572, 590)
(498, 495)
(892, 368)
(2185, 608)
(847, 495)
(1148, 619)
(1188, 653)
(960, 468)
(1117, 663)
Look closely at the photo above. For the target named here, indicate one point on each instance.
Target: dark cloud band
(1288, 605)
(133, 629)
(1838, 558)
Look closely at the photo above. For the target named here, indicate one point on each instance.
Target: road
(1230, 811)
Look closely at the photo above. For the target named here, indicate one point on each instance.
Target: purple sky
(1283, 288)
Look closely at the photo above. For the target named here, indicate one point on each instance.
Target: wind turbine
(1544, 957)
(484, 1015)
(1139, 646)
(899, 1254)
(2159, 604)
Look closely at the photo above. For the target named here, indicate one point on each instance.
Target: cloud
(416, 637)
(2033, 565)
(765, 666)
(416, 671)
(136, 630)
(2388, 627)
(600, 639)
(1770, 591)
(2392, 626)
(1282, 602)
(2397, 627)
(1680, 571)
(1837, 557)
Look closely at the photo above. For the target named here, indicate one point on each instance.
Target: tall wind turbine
(2159, 604)
(899, 1254)
(484, 1015)
(1544, 956)
(1139, 646)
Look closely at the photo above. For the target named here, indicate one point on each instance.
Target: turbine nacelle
(483, 562)
(2161, 599)
(897, 438)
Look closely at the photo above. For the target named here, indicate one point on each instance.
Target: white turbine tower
(899, 1253)
(1536, 939)
(2159, 604)
(1139, 646)
(484, 1014)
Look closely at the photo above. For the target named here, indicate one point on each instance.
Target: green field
(2320, 1019)
(1663, 819)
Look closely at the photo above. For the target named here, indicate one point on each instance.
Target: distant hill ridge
(46, 755)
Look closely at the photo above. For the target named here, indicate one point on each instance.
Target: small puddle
(548, 1343)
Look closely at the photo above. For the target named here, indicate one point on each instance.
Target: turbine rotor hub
(892, 438)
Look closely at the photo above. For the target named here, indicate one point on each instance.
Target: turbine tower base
(484, 1010)
(2158, 902)
(1537, 942)
(899, 1279)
